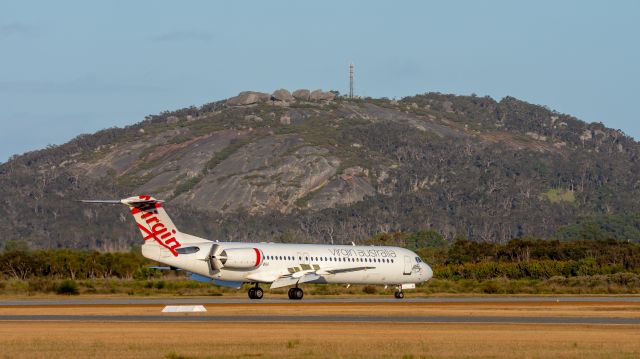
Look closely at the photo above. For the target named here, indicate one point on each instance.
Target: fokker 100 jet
(278, 264)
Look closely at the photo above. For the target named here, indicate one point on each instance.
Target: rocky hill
(316, 167)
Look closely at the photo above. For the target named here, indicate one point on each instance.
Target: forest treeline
(524, 258)
(19, 262)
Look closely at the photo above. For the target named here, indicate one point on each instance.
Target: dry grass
(318, 340)
(579, 309)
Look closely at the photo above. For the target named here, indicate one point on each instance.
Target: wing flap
(287, 281)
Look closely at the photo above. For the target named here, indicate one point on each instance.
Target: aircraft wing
(287, 281)
(311, 275)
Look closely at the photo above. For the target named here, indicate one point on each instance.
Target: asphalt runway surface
(390, 299)
(321, 319)
(331, 318)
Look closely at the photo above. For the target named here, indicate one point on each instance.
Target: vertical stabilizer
(153, 222)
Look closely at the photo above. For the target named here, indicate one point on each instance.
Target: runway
(324, 300)
(323, 319)
(575, 310)
(363, 326)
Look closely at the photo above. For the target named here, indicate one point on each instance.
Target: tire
(298, 294)
(252, 293)
(399, 295)
(291, 293)
(258, 293)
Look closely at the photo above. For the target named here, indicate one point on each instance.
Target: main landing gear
(256, 292)
(295, 293)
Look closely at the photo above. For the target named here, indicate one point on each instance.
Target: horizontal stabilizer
(131, 201)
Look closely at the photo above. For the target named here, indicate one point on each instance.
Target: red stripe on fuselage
(258, 257)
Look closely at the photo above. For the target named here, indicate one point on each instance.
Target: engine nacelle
(240, 258)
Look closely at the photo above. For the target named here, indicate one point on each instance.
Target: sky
(73, 67)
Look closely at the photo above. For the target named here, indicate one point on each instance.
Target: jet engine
(238, 258)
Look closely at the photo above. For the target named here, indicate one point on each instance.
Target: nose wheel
(256, 292)
(295, 293)
(399, 294)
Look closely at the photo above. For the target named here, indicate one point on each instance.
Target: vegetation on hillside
(462, 166)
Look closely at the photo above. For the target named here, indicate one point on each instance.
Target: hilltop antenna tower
(351, 80)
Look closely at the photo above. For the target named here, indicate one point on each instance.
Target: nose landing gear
(399, 294)
(256, 292)
(295, 293)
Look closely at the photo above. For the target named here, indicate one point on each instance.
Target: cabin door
(408, 266)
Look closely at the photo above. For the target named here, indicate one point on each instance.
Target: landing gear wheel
(295, 293)
(399, 295)
(257, 293)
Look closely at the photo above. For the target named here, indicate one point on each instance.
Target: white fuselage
(332, 263)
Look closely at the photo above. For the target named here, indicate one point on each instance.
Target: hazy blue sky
(75, 67)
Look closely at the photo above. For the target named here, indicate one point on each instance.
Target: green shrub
(68, 287)
(490, 287)
(369, 289)
(160, 284)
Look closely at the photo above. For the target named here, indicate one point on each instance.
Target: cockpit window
(187, 250)
(418, 260)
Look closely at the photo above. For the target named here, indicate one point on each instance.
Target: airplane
(280, 265)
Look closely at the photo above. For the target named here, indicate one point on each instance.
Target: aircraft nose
(428, 271)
